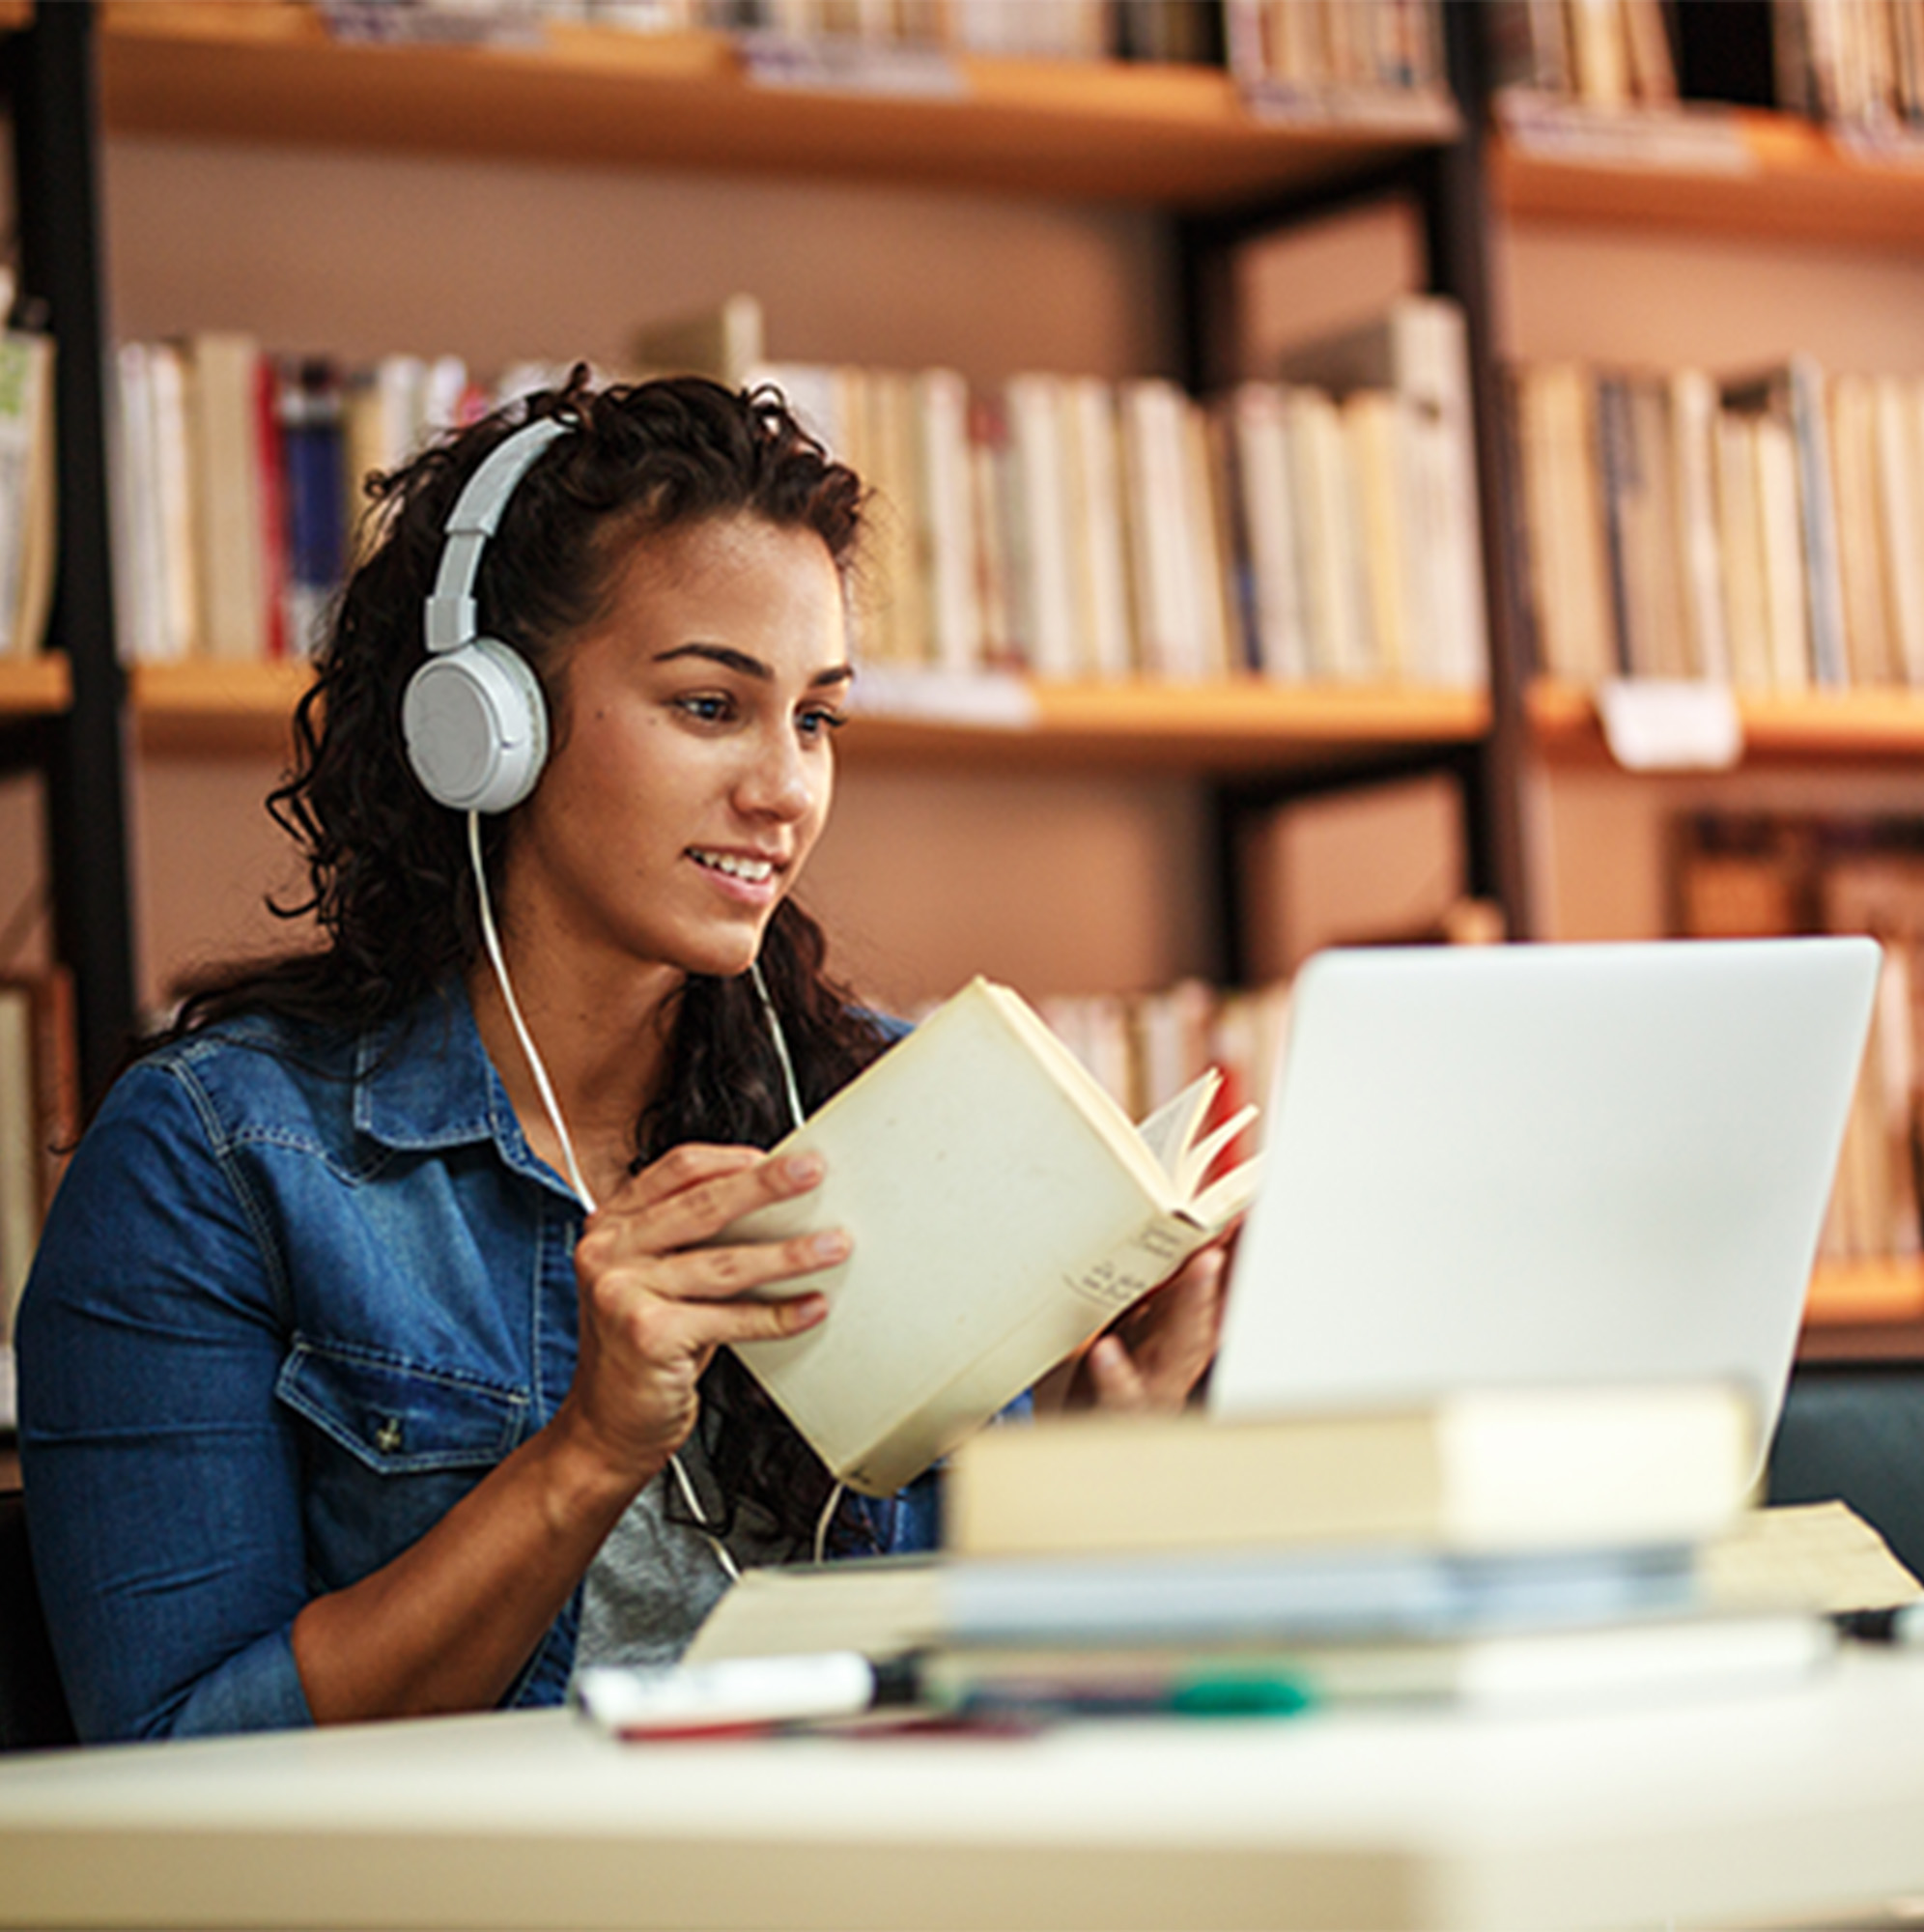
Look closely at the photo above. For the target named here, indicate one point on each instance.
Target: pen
(739, 1694)
(1903, 1625)
(976, 1686)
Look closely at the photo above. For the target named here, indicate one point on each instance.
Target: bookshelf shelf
(270, 70)
(203, 708)
(1792, 183)
(1865, 1311)
(209, 708)
(1884, 1289)
(1817, 726)
(34, 686)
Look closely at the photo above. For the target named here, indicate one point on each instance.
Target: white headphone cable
(491, 940)
(796, 1114)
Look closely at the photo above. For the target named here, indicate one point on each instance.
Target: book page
(1821, 1557)
(880, 1607)
(1170, 1130)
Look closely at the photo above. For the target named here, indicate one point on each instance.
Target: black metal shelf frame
(1447, 188)
(49, 70)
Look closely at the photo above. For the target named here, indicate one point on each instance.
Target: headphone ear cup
(476, 726)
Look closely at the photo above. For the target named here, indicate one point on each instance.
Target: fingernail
(830, 1245)
(806, 1310)
(803, 1168)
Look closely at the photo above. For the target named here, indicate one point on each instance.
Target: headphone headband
(450, 614)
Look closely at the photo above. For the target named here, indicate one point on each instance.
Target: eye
(706, 708)
(819, 722)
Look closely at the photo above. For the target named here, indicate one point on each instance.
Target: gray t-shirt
(654, 1578)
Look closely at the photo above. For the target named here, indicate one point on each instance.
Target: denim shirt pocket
(394, 1445)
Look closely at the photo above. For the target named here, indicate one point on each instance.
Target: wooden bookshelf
(34, 686)
(271, 71)
(1793, 183)
(1841, 726)
(1867, 1311)
(200, 708)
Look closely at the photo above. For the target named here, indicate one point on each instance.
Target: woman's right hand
(656, 1302)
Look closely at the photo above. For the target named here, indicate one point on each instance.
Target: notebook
(1490, 1166)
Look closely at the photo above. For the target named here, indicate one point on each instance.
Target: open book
(1004, 1211)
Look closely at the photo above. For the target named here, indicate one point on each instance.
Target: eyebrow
(749, 667)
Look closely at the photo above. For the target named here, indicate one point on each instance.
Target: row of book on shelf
(1858, 65)
(26, 484)
(1314, 52)
(40, 1115)
(1319, 527)
(1143, 30)
(1742, 875)
(1764, 530)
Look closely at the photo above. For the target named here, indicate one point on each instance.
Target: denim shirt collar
(424, 1082)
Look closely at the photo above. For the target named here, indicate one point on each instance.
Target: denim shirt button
(388, 1436)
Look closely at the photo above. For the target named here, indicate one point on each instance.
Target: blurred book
(1485, 1470)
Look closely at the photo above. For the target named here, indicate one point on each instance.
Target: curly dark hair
(390, 889)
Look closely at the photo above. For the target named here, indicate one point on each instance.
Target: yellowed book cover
(1479, 1471)
(1003, 1210)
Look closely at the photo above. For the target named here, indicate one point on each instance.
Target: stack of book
(1520, 1549)
(1766, 530)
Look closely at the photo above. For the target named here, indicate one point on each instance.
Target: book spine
(1823, 577)
(311, 436)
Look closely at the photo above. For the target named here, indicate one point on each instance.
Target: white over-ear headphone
(474, 716)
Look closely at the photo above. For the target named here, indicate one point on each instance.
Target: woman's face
(692, 766)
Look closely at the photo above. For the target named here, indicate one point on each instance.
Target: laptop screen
(1491, 1166)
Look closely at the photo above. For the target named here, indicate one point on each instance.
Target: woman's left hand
(1152, 1359)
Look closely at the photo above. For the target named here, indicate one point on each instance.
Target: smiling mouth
(754, 871)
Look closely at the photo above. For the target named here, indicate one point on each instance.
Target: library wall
(1608, 296)
(1060, 882)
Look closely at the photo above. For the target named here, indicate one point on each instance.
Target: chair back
(33, 1708)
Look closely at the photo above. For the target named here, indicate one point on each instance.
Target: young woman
(374, 1361)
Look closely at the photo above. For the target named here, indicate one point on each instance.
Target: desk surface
(1790, 1806)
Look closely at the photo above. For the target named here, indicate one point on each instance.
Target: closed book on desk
(1370, 1594)
(1003, 1210)
(1492, 1469)
(1819, 1559)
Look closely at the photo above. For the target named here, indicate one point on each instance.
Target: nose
(777, 781)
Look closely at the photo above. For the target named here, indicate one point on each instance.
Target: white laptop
(1545, 1164)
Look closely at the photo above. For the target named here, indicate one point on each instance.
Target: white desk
(1807, 1805)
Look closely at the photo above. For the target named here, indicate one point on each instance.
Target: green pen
(1229, 1693)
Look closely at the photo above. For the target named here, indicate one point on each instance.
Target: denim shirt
(298, 1294)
